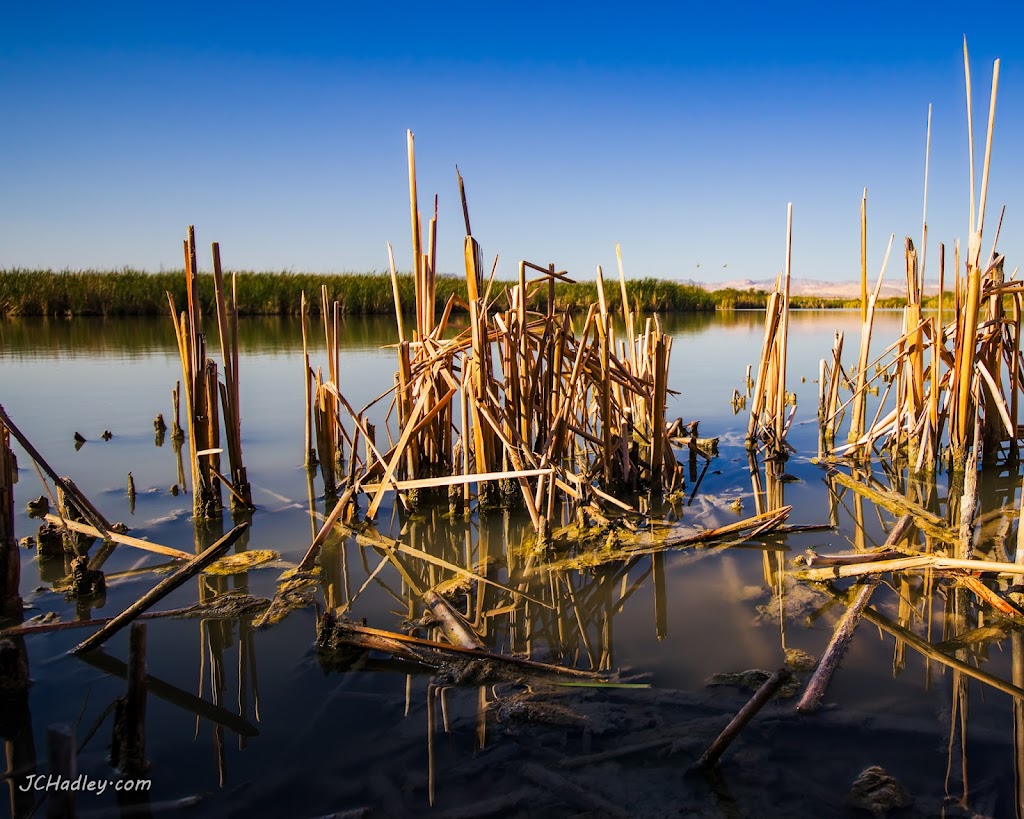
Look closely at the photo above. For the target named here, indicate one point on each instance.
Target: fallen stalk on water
(745, 714)
(240, 605)
(745, 529)
(815, 690)
(931, 561)
(334, 631)
(930, 650)
(161, 590)
(117, 537)
(929, 523)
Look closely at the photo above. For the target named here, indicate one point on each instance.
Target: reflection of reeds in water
(971, 610)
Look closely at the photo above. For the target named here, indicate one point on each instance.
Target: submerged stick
(746, 713)
(811, 699)
(162, 589)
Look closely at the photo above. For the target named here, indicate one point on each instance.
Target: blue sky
(679, 131)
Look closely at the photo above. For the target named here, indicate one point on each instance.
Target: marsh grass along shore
(130, 292)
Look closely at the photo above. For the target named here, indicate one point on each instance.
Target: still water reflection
(250, 722)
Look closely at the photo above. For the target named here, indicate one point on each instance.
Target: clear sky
(679, 130)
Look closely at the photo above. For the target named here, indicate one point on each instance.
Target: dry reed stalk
(117, 537)
(201, 395)
(860, 401)
(810, 701)
(915, 563)
(227, 326)
(1013, 350)
(831, 403)
(395, 294)
(782, 339)
(864, 257)
(924, 207)
(414, 209)
(10, 559)
(310, 452)
(759, 399)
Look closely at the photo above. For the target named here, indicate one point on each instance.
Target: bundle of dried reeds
(524, 401)
(203, 389)
(769, 421)
(972, 377)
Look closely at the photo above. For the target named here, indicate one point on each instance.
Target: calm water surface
(286, 737)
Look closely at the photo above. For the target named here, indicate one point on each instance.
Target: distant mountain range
(814, 287)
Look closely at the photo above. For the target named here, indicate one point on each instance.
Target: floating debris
(241, 562)
(800, 660)
(752, 680)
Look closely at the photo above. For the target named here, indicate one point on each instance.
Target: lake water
(250, 723)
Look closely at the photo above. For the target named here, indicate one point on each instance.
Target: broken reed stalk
(10, 559)
(810, 702)
(860, 392)
(227, 328)
(913, 563)
(309, 451)
(162, 589)
(783, 337)
(392, 642)
(117, 537)
(864, 257)
(200, 394)
(831, 405)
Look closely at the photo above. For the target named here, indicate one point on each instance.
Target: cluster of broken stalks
(952, 384)
(531, 406)
(204, 392)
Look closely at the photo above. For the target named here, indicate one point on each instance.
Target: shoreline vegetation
(130, 292)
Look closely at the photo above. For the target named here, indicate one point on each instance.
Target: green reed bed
(138, 293)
